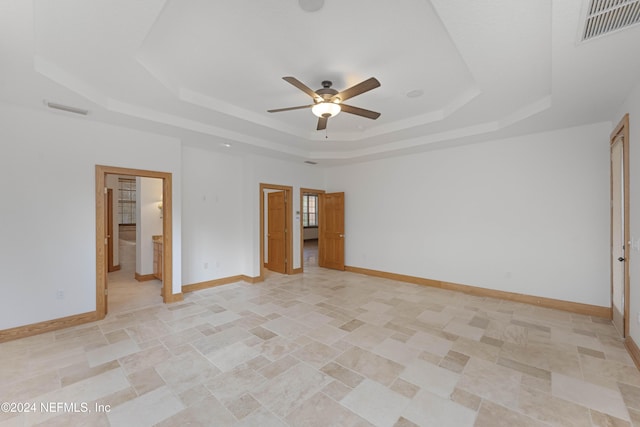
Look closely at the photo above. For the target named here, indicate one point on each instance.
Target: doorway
(309, 215)
(134, 224)
(276, 236)
(102, 235)
(330, 220)
(620, 241)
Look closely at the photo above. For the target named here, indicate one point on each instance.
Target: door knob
(621, 259)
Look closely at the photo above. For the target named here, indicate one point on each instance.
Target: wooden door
(108, 242)
(277, 232)
(331, 230)
(109, 226)
(619, 244)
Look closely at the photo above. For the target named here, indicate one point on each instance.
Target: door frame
(167, 232)
(622, 129)
(304, 191)
(288, 240)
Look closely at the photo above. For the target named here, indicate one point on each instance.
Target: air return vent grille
(607, 16)
(66, 108)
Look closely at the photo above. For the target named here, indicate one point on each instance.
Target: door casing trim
(167, 232)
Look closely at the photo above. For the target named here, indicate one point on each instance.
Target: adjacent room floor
(125, 292)
(327, 348)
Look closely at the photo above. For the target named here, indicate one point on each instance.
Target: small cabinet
(157, 257)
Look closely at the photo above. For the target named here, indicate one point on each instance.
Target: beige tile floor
(327, 348)
(125, 292)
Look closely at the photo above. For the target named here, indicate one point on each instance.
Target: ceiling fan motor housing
(327, 92)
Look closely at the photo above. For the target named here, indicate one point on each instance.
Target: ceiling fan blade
(297, 83)
(290, 108)
(359, 111)
(361, 87)
(322, 123)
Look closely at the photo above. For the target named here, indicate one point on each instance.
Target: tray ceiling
(207, 71)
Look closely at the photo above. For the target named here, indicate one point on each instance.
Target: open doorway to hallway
(309, 217)
(324, 248)
(134, 215)
(160, 206)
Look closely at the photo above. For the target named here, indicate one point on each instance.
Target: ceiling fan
(328, 101)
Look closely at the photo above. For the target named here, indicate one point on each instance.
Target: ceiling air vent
(66, 108)
(607, 16)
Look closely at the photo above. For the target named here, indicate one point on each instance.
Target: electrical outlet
(206, 265)
(60, 294)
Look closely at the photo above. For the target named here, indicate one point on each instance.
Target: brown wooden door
(620, 235)
(109, 216)
(331, 230)
(108, 241)
(276, 232)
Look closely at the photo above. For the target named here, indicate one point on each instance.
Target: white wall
(213, 215)
(632, 106)
(310, 233)
(148, 221)
(221, 210)
(527, 215)
(47, 217)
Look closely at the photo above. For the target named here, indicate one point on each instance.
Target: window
(127, 201)
(309, 210)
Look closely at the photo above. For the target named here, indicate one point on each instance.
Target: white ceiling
(206, 71)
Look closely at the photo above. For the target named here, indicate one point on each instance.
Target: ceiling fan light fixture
(326, 109)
